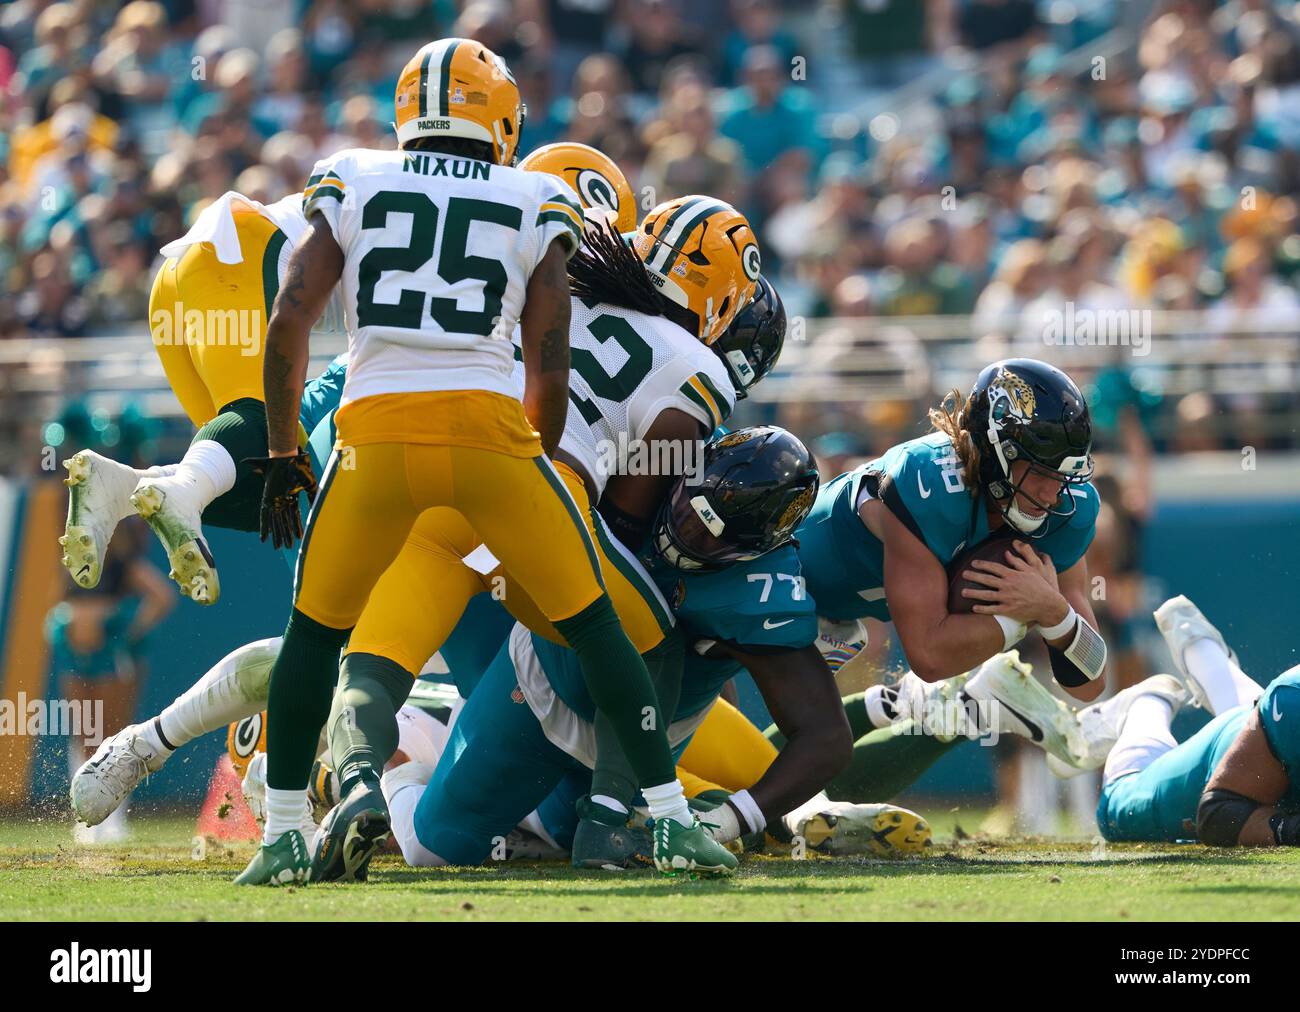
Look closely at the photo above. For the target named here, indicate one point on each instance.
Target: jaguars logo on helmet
(598, 182)
(1009, 394)
(459, 88)
(702, 254)
(1023, 409)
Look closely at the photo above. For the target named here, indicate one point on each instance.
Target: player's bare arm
(1243, 792)
(315, 266)
(631, 501)
(544, 324)
(1028, 589)
(937, 644)
(800, 693)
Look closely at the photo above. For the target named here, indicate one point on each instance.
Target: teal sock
(363, 720)
(298, 704)
(619, 685)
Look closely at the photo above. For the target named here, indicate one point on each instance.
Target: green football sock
(619, 685)
(888, 761)
(298, 703)
(613, 776)
(363, 720)
(240, 427)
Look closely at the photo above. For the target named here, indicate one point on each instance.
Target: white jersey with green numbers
(438, 251)
(627, 368)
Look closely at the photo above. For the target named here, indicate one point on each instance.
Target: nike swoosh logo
(1035, 732)
(925, 492)
(769, 624)
(1276, 714)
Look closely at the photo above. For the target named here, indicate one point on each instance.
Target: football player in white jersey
(441, 248)
(649, 384)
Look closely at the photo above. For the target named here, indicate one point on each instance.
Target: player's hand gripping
(1025, 589)
(285, 478)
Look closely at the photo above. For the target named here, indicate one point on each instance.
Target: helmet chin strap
(1021, 520)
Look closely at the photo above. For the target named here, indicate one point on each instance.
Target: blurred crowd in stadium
(1160, 178)
(987, 159)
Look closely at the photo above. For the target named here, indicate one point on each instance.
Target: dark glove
(285, 478)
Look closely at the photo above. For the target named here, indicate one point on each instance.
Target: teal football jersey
(1279, 715)
(921, 483)
(760, 606)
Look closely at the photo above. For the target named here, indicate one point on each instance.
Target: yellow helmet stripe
(439, 85)
(424, 84)
(679, 225)
(444, 77)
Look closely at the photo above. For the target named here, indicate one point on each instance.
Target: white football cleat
(1063, 770)
(936, 706)
(1009, 700)
(99, 498)
(106, 778)
(172, 508)
(841, 828)
(1181, 623)
(114, 829)
(1101, 723)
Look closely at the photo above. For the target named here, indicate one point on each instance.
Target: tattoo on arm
(314, 268)
(293, 290)
(555, 350)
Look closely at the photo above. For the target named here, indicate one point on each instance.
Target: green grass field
(43, 876)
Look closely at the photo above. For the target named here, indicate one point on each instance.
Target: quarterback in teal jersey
(1012, 456)
(1236, 782)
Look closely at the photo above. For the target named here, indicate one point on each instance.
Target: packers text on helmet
(459, 88)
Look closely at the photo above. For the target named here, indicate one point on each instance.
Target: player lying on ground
(1233, 783)
(425, 724)
(1014, 457)
(526, 728)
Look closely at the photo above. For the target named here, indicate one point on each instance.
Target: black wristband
(1286, 828)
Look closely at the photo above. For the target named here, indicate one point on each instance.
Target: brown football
(994, 549)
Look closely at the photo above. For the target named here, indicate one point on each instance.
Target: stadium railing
(1252, 366)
